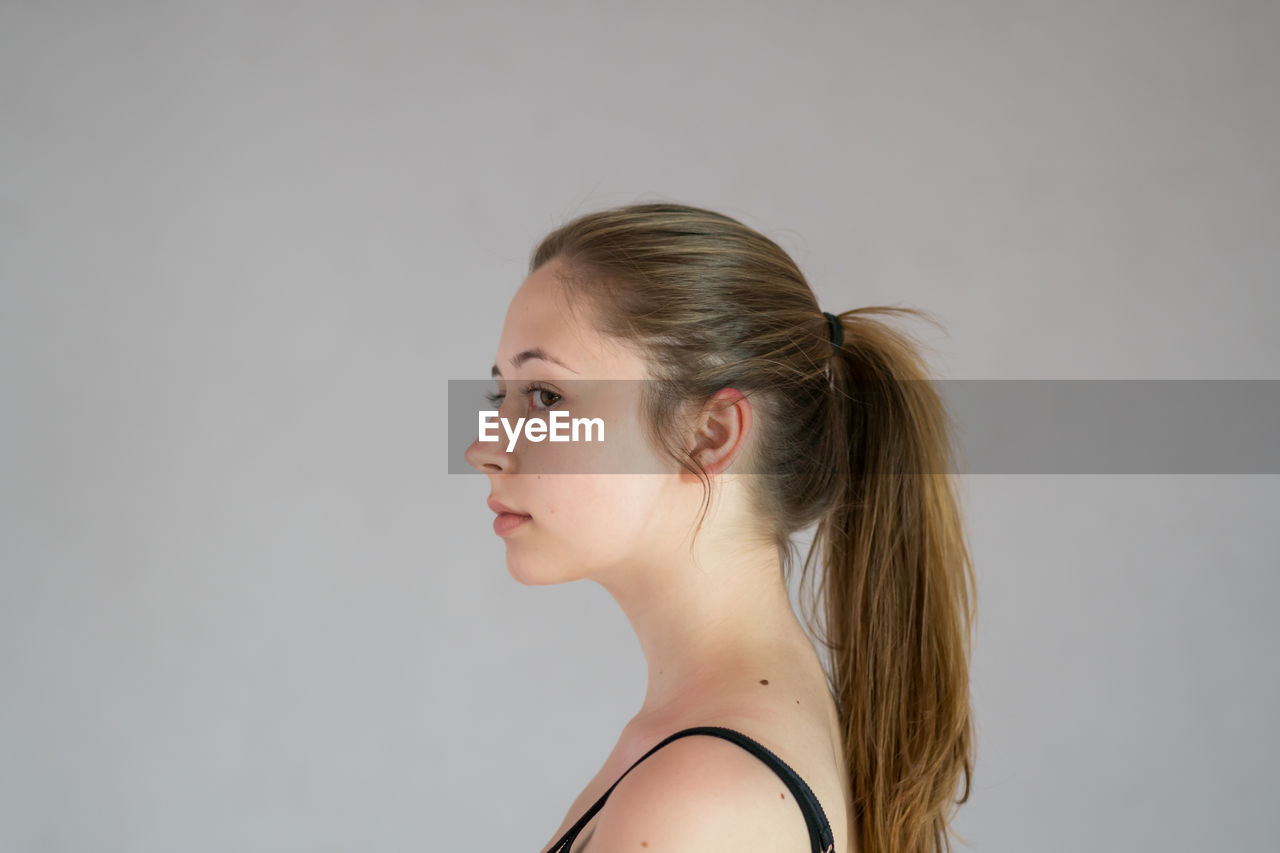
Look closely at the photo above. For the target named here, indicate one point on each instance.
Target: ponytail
(897, 591)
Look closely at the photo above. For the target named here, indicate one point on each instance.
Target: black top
(820, 838)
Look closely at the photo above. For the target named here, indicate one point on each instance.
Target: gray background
(243, 246)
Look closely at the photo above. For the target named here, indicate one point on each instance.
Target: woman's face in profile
(594, 521)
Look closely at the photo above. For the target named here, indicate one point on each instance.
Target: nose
(487, 457)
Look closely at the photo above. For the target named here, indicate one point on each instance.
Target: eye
(495, 398)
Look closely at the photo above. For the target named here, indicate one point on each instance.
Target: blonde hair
(856, 441)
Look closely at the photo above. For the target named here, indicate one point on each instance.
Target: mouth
(508, 518)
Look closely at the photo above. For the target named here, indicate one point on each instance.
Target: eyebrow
(529, 355)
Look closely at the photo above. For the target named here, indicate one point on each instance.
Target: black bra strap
(820, 837)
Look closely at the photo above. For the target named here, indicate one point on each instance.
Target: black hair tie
(835, 330)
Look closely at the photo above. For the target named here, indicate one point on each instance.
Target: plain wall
(244, 245)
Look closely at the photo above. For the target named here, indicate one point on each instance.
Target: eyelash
(495, 398)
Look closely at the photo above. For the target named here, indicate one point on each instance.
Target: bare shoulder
(700, 793)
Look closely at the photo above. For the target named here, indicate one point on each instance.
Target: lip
(502, 509)
(504, 523)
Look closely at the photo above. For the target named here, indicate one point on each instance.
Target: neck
(710, 627)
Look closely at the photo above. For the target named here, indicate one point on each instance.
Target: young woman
(758, 416)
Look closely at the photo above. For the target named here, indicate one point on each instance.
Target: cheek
(599, 515)
(584, 524)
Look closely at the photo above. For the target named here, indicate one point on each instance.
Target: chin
(541, 570)
(529, 573)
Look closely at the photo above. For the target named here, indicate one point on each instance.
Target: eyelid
(530, 387)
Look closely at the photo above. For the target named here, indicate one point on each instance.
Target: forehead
(539, 318)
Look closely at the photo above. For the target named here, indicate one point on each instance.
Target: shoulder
(699, 793)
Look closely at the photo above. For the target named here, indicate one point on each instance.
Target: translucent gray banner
(1000, 426)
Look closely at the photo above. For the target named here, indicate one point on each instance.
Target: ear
(720, 430)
